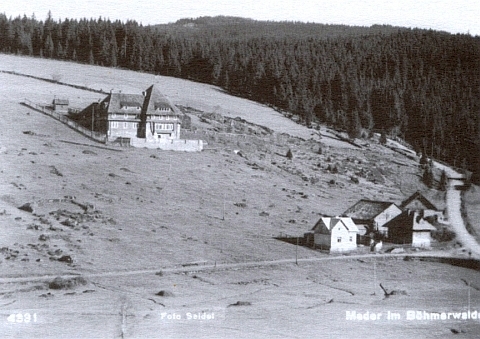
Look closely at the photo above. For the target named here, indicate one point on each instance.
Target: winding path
(454, 202)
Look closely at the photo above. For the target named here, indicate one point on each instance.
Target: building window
(114, 115)
(351, 239)
(125, 125)
(114, 124)
(168, 117)
(125, 116)
(135, 125)
(339, 239)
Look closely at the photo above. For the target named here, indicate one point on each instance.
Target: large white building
(149, 115)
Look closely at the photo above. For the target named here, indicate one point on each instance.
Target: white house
(339, 234)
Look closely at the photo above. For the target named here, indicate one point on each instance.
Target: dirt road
(454, 202)
(219, 267)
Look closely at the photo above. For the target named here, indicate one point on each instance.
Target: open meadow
(144, 240)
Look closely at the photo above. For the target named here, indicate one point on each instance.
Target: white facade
(339, 234)
(388, 214)
(421, 239)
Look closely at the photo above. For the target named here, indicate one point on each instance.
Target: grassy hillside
(419, 85)
(144, 221)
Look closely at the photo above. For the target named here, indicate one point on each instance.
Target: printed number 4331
(22, 318)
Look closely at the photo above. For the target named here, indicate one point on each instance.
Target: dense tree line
(420, 85)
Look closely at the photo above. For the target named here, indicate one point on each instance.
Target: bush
(60, 283)
(164, 293)
(289, 154)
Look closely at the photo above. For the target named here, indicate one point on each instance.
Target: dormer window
(162, 107)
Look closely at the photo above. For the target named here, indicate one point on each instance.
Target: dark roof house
(366, 210)
(410, 227)
(417, 201)
(158, 104)
(372, 214)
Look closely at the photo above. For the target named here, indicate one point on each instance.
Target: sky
(455, 16)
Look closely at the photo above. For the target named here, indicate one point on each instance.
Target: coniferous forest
(420, 85)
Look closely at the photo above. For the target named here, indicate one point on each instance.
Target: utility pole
(93, 115)
(223, 213)
(469, 296)
(296, 253)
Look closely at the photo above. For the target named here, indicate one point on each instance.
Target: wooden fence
(95, 136)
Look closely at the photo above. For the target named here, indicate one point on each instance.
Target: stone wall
(169, 145)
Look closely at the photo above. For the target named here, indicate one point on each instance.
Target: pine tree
(91, 60)
(354, 126)
(49, 47)
(428, 176)
(443, 182)
(383, 138)
(423, 159)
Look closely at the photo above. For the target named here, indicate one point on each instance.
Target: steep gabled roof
(57, 101)
(411, 221)
(326, 224)
(367, 209)
(155, 99)
(115, 101)
(421, 198)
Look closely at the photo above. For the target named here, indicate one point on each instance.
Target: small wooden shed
(60, 105)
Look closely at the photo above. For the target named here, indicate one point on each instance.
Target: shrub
(60, 283)
(289, 154)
